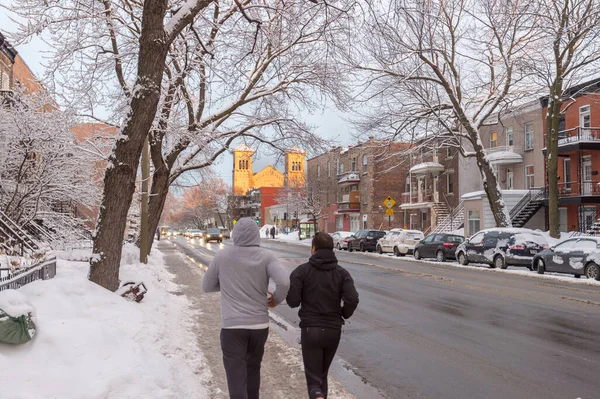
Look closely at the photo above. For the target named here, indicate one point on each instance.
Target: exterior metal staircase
(451, 221)
(12, 237)
(528, 206)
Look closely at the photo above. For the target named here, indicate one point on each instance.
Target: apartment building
(354, 182)
(8, 56)
(513, 141)
(579, 158)
(430, 196)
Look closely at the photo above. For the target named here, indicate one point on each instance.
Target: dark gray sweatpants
(242, 355)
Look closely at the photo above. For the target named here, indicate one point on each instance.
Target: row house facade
(430, 196)
(579, 158)
(353, 184)
(514, 142)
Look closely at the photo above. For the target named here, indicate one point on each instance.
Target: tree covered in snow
(308, 198)
(134, 59)
(441, 68)
(567, 53)
(43, 169)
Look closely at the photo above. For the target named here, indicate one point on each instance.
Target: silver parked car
(340, 239)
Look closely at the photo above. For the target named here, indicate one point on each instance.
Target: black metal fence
(42, 271)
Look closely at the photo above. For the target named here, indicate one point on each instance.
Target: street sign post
(389, 212)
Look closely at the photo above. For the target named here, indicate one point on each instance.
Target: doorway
(509, 179)
(586, 175)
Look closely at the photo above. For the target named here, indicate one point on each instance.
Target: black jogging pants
(319, 345)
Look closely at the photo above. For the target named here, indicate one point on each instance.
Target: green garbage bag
(16, 330)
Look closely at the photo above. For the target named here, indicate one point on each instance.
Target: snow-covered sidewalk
(91, 343)
(282, 374)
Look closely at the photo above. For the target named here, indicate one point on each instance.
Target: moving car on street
(577, 256)
(502, 247)
(213, 235)
(340, 239)
(226, 233)
(195, 234)
(440, 246)
(399, 241)
(364, 240)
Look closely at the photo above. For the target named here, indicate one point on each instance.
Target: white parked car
(340, 239)
(399, 241)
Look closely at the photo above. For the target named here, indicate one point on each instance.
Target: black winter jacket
(319, 287)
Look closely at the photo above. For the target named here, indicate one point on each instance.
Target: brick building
(579, 158)
(430, 192)
(8, 56)
(353, 183)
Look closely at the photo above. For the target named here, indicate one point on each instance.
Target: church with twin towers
(245, 179)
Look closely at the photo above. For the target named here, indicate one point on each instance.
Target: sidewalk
(282, 375)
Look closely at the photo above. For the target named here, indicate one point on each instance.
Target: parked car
(439, 246)
(226, 233)
(213, 235)
(364, 240)
(502, 247)
(340, 239)
(399, 241)
(577, 256)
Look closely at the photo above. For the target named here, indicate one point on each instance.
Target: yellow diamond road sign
(389, 212)
(389, 202)
(234, 221)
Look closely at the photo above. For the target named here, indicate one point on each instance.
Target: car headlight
(220, 235)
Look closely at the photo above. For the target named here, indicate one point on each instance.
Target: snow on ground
(91, 343)
(293, 237)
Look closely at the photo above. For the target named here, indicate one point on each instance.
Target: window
(5, 81)
(529, 136)
(328, 168)
(478, 238)
(529, 182)
(474, 226)
(584, 116)
(365, 161)
(428, 239)
(354, 164)
(448, 152)
(337, 166)
(341, 168)
(567, 173)
(586, 245)
(450, 182)
(510, 138)
(565, 246)
(494, 140)
(364, 195)
(318, 171)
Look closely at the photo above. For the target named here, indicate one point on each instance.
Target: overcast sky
(330, 122)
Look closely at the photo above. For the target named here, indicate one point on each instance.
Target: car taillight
(518, 246)
(370, 237)
(449, 244)
(345, 240)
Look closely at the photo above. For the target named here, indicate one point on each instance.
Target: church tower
(242, 170)
(295, 167)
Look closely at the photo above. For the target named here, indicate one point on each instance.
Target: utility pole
(144, 233)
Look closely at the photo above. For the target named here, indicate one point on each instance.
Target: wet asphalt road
(433, 331)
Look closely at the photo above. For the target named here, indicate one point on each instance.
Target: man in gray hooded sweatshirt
(242, 272)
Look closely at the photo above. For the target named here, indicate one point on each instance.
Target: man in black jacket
(319, 287)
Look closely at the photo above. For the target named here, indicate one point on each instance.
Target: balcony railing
(579, 189)
(350, 177)
(579, 134)
(349, 207)
(504, 148)
(417, 197)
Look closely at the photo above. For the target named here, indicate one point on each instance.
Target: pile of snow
(15, 304)
(293, 236)
(91, 343)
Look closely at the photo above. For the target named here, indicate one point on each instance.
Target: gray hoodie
(241, 272)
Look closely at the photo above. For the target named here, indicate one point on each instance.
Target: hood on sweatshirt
(246, 233)
(324, 259)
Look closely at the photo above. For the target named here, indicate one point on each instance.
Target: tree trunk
(119, 179)
(552, 126)
(158, 196)
(492, 189)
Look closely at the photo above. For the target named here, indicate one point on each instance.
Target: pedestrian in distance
(326, 295)
(241, 273)
(273, 232)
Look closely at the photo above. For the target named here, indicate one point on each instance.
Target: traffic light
(257, 221)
